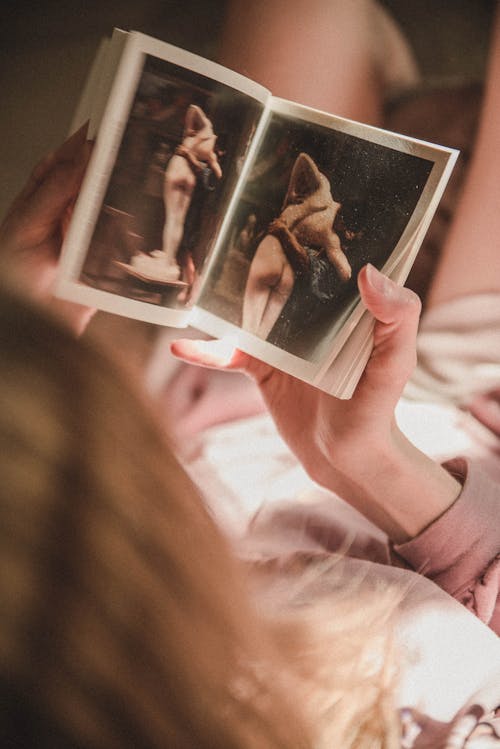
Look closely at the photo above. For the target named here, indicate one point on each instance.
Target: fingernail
(378, 281)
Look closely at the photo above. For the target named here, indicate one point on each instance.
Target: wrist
(394, 485)
(421, 489)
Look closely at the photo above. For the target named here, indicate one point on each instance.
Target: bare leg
(470, 260)
(342, 48)
(162, 265)
(178, 190)
(177, 204)
(270, 282)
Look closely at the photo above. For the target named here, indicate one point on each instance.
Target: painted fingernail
(380, 283)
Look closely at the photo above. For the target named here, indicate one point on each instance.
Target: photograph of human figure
(195, 158)
(300, 243)
(327, 205)
(174, 174)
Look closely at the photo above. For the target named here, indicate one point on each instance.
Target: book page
(169, 152)
(322, 197)
(83, 110)
(98, 84)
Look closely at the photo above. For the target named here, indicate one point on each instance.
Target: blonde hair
(124, 619)
(335, 623)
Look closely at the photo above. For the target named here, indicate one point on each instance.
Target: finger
(73, 144)
(47, 205)
(215, 354)
(396, 311)
(48, 181)
(222, 354)
(68, 151)
(486, 408)
(72, 149)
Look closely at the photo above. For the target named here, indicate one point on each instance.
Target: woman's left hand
(32, 231)
(319, 428)
(354, 447)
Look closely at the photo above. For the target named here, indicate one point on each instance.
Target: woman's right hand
(32, 231)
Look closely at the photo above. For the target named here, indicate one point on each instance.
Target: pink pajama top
(460, 551)
(449, 695)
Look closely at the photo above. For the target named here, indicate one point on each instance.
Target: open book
(209, 202)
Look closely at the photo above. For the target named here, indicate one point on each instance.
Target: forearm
(476, 221)
(394, 485)
(261, 40)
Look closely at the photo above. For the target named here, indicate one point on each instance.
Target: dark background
(47, 46)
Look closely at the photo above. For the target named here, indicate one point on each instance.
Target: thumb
(70, 150)
(396, 311)
(60, 184)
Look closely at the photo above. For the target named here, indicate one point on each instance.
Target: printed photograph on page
(176, 168)
(318, 204)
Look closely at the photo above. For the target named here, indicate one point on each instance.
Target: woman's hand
(32, 231)
(354, 447)
(321, 429)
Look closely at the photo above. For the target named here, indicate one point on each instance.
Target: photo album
(210, 203)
